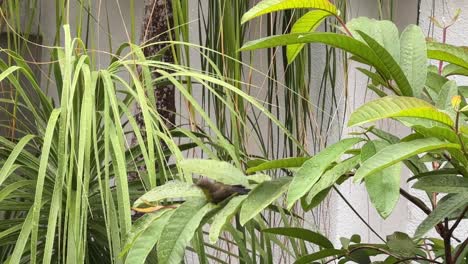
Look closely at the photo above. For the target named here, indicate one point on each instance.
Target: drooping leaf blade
(383, 186)
(180, 229)
(307, 23)
(262, 196)
(397, 106)
(413, 58)
(172, 189)
(313, 168)
(220, 171)
(224, 216)
(146, 237)
(399, 152)
(442, 184)
(268, 6)
(443, 209)
(301, 233)
(278, 164)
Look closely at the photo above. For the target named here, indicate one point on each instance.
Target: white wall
(341, 220)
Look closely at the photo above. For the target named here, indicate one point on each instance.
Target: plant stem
(446, 236)
(357, 214)
(460, 250)
(444, 39)
(343, 24)
(415, 201)
(458, 221)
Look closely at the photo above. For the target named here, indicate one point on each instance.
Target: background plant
(224, 138)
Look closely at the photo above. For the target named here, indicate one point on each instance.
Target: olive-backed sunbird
(217, 192)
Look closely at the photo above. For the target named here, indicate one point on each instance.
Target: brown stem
(343, 24)
(460, 250)
(446, 236)
(416, 201)
(458, 221)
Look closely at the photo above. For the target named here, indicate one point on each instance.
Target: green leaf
(449, 53)
(318, 198)
(260, 197)
(172, 189)
(313, 168)
(390, 65)
(440, 132)
(397, 106)
(383, 186)
(219, 171)
(453, 69)
(329, 178)
(401, 244)
(413, 58)
(278, 164)
(9, 163)
(399, 152)
(383, 31)
(307, 23)
(444, 209)
(442, 184)
(343, 42)
(180, 229)
(301, 233)
(448, 90)
(319, 255)
(144, 236)
(224, 217)
(268, 6)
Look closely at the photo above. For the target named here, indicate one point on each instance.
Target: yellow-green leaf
(268, 6)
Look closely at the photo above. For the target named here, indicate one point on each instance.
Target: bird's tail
(240, 189)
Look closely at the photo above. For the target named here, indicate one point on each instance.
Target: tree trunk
(157, 21)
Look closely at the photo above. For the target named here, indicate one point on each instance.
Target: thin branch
(416, 201)
(458, 221)
(357, 214)
(460, 250)
(446, 236)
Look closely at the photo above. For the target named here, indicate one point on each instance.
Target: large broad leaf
(443, 209)
(172, 189)
(307, 23)
(278, 164)
(268, 6)
(442, 184)
(437, 131)
(383, 31)
(413, 58)
(453, 69)
(180, 229)
(301, 233)
(399, 152)
(447, 92)
(312, 169)
(383, 186)
(262, 196)
(349, 44)
(329, 178)
(220, 171)
(144, 236)
(224, 216)
(401, 244)
(445, 52)
(391, 66)
(397, 106)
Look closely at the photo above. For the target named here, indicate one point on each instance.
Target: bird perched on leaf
(217, 192)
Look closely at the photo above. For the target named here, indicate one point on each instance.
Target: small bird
(217, 192)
